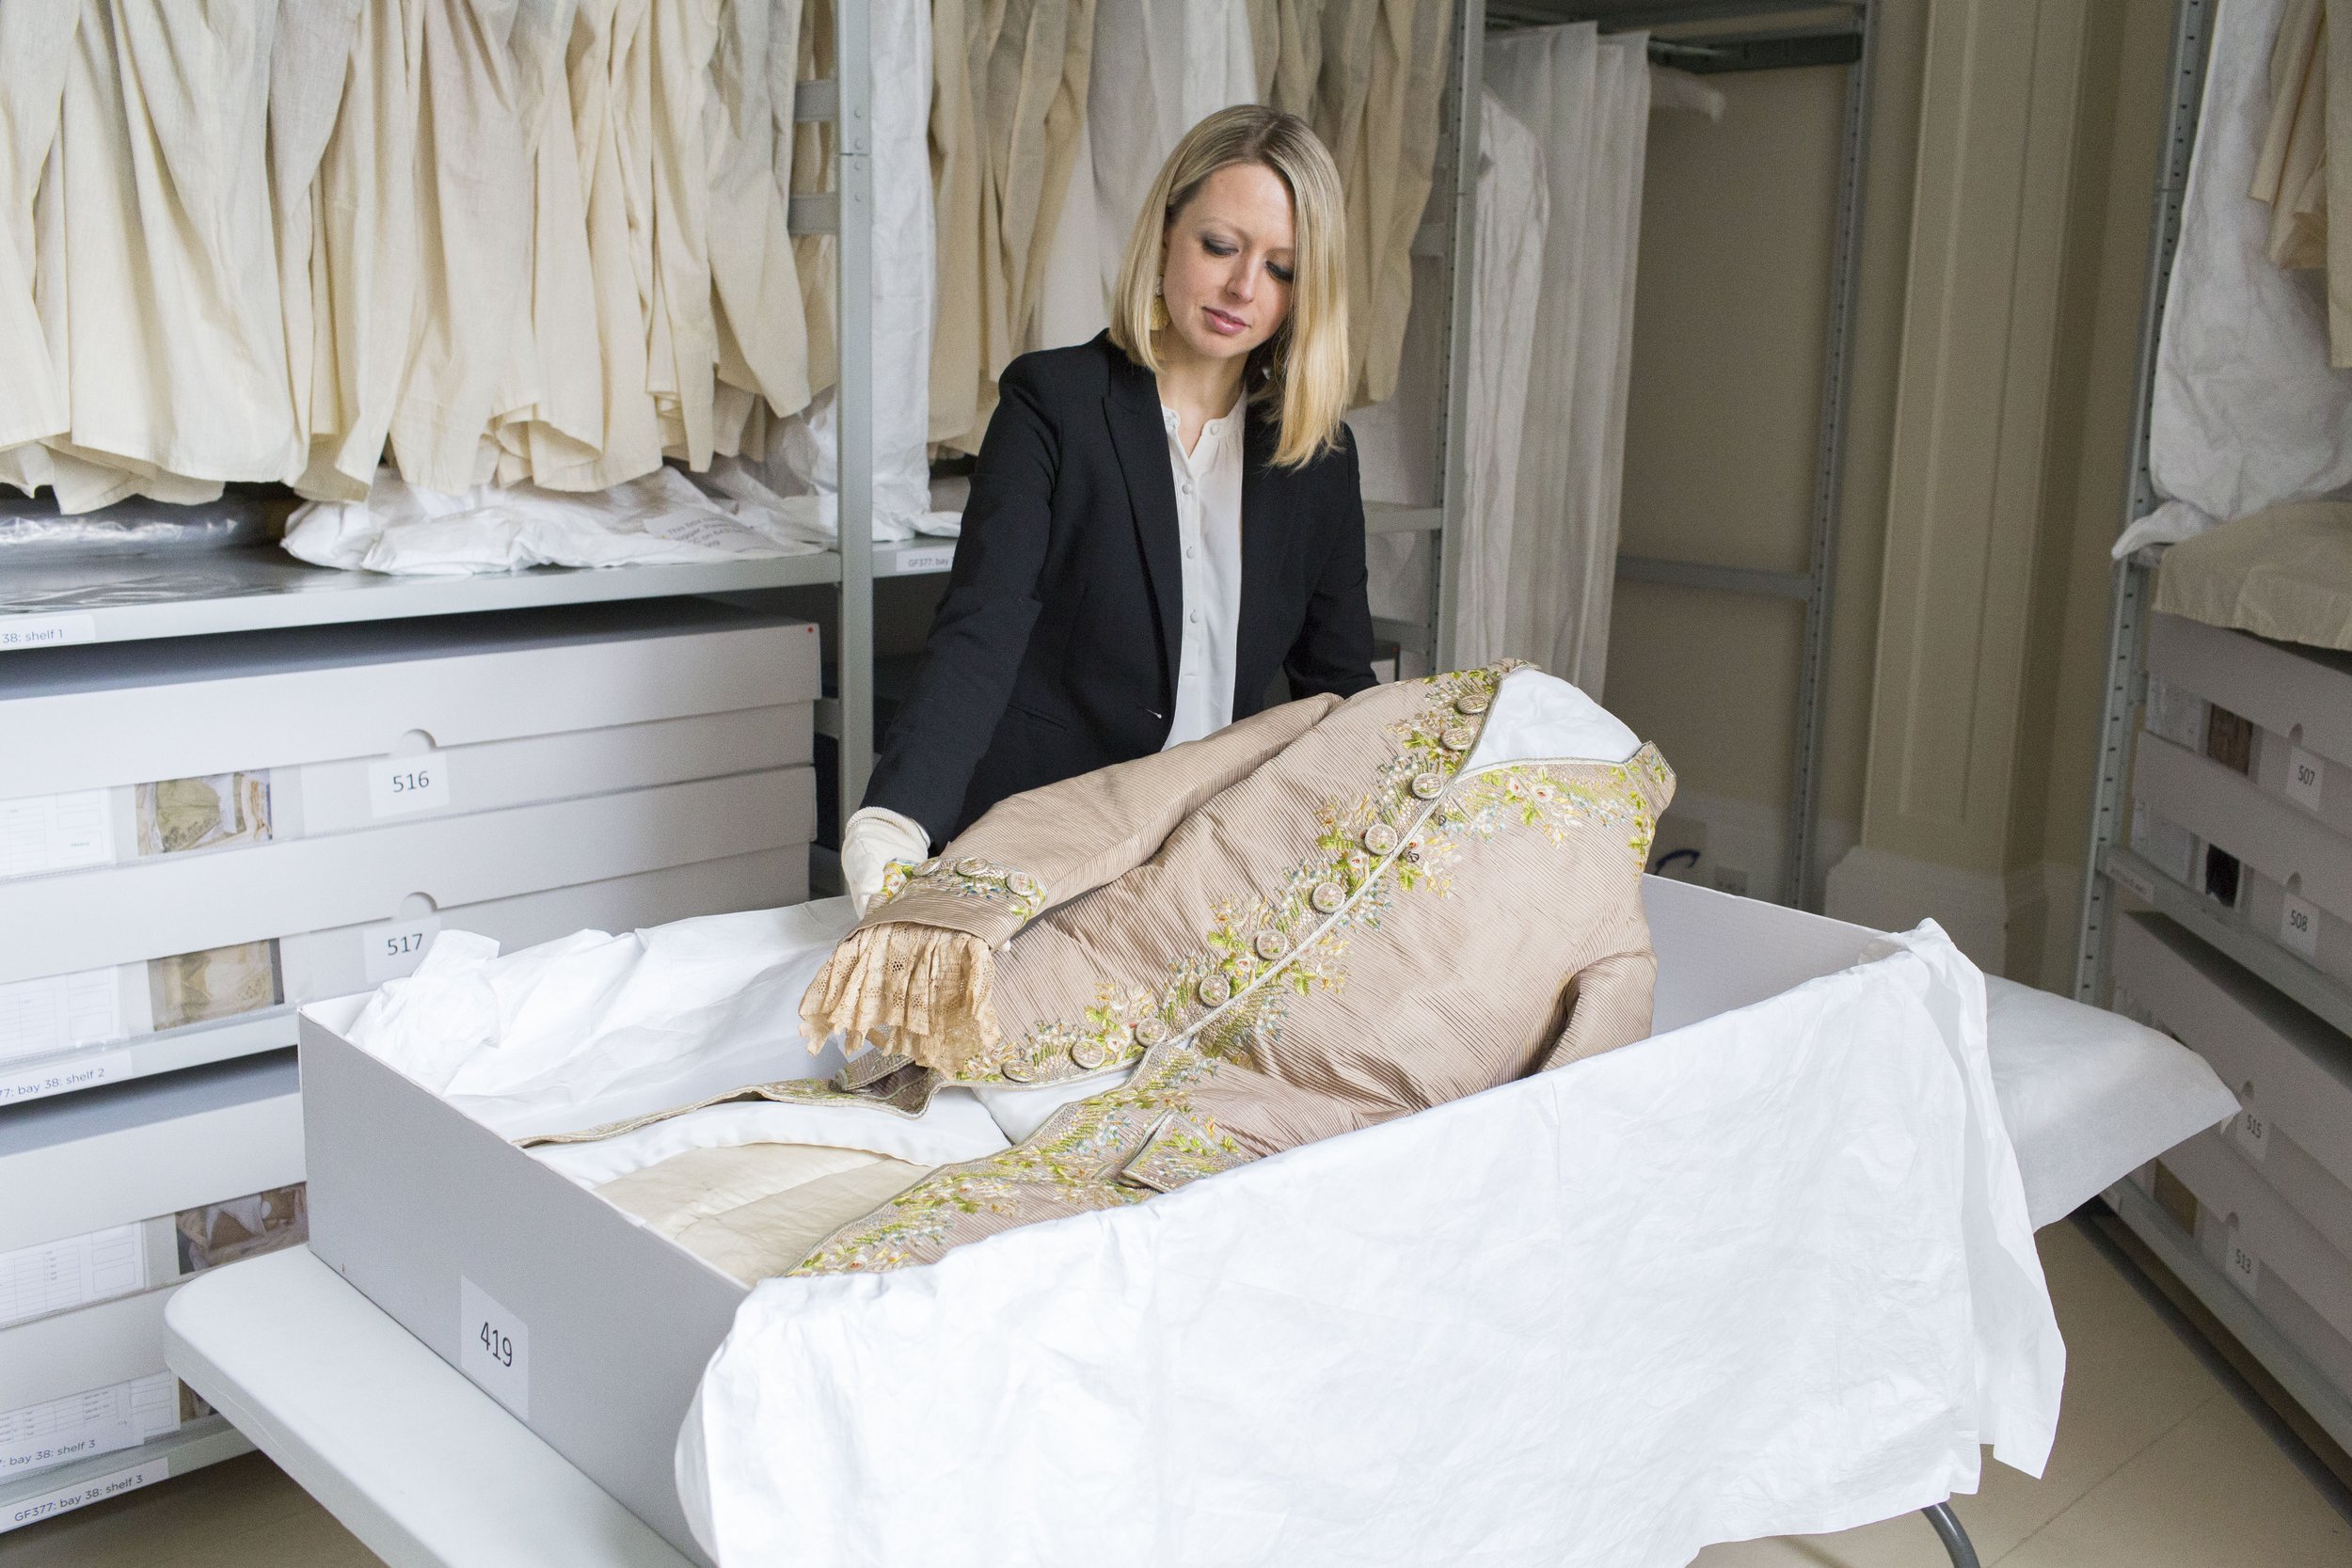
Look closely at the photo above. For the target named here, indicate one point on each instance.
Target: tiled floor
(2156, 1466)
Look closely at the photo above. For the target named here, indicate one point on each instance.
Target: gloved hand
(872, 842)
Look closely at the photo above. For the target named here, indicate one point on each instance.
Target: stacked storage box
(2242, 794)
(199, 836)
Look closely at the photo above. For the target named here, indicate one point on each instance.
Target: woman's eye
(1217, 247)
(1282, 275)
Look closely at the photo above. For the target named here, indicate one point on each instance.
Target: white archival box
(430, 1214)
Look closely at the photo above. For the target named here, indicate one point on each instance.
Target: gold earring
(1157, 317)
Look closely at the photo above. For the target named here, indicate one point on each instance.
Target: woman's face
(1226, 263)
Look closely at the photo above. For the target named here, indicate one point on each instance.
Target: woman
(1161, 520)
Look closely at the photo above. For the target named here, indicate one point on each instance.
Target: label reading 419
(398, 787)
(493, 1347)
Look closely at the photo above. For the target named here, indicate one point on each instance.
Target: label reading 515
(399, 786)
(493, 1347)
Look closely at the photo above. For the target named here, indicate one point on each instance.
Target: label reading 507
(398, 787)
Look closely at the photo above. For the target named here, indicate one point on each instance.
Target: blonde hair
(1301, 372)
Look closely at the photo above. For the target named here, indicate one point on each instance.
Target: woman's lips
(1230, 326)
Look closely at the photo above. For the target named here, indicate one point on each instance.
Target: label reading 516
(493, 1347)
(398, 787)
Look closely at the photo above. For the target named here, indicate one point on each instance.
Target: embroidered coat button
(1428, 786)
(927, 867)
(1216, 990)
(1089, 1055)
(1472, 705)
(1379, 838)
(1024, 885)
(1328, 896)
(1016, 1069)
(1457, 737)
(1271, 945)
(976, 869)
(1151, 1032)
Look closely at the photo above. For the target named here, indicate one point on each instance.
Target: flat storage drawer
(2292, 1072)
(50, 834)
(2250, 1234)
(133, 713)
(2303, 696)
(112, 915)
(128, 1152)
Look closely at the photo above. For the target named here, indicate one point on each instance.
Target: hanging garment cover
(307, 64)
(365, 206)
(554, 370)
(2311, 50)
(1586, 100)
(2245, 413)
(1160, 68)
(473, 240)
(1024, 71)
(1385, 141)
(1257, 936)
(157, 263)
(37, 43)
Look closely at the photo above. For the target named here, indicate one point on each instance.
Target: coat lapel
(1132, 407)
(1265, 532)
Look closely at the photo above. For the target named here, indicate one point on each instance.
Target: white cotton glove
(874, 840)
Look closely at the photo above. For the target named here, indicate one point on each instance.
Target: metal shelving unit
(2113, 873)
(1712, 37)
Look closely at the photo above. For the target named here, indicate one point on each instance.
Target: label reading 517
(399, 786)
(395, 949)
(493, 1347)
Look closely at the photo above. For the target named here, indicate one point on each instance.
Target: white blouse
(1208, 523)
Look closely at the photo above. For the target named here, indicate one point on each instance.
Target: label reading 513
(493, 1347)
(398, 787)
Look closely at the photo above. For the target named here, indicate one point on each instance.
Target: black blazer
(1054, 652)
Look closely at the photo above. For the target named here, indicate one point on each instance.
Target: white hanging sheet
(660, 519)
(2245, 413)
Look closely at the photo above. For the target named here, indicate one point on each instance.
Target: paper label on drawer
(65, 1499)
(395, 949)
(58, 1012)
(2298, 926)
(58, 1277)
(400, 786)
(2250, 1131)
(2239, 1262)
(493, 1347)
(76, 1072)
(932, 558)
(45, 631)
(56, 833)
(2306, 774)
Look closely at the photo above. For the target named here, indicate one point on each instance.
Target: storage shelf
(207, 1440)
(144, 1056)
(2230, 931)
(914, 558)
(2178, 1251)
(113, 599)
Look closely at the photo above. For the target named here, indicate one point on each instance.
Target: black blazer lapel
(1266, 526)
(1132, 407)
